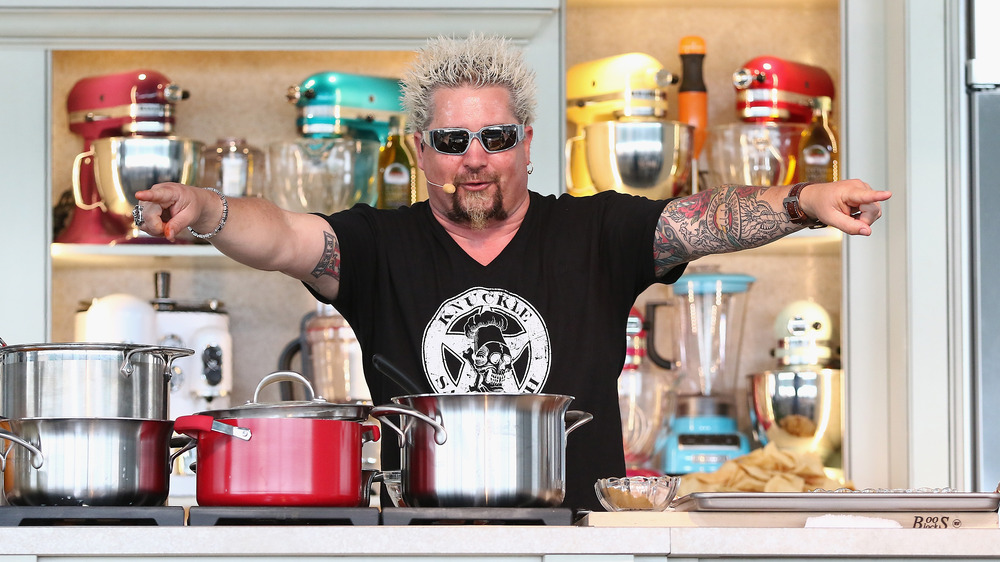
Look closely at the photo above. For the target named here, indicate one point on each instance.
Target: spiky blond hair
(477, 61)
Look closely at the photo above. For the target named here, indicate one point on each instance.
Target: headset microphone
(448, 188)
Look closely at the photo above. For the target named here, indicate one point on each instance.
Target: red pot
(301, 453)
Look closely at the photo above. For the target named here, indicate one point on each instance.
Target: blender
(709, 310)
(623, 140)
(343, 121)
(126, 121)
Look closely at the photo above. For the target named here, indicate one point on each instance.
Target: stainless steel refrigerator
(983, 87)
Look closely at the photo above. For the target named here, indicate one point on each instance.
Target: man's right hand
(168, 208)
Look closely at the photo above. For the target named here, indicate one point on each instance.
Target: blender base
(702, 444)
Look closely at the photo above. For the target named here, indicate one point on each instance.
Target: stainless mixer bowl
(651, 158)
(126, 165)
(797, 410)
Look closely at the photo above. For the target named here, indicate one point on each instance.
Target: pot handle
(576, 418)
(37, 458)
(368, 478)
(168, 353)
(196, 424)
(440, 433)
(189, 443)
(370, 433)
(286, 376)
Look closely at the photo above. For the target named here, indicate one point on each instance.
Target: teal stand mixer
(342, 121)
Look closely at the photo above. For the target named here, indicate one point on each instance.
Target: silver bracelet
(222, 221)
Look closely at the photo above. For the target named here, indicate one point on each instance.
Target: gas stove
(212, 516)
(477, 516)
(57, 515)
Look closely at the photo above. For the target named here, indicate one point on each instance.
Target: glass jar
(233, 167)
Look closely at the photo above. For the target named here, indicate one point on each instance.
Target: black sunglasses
(456, 140)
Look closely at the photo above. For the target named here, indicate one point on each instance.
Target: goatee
(477, 208)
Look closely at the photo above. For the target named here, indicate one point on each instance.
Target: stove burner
(477, 516)
(54, 516)
(229, 515)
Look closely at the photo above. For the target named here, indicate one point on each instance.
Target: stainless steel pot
(91, 461)
(500, 450)
(86, 380)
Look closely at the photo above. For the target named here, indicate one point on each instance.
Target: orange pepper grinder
(692, 97)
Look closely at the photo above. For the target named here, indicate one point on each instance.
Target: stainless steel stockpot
(500, 450)
(86, 461)
(86, 380)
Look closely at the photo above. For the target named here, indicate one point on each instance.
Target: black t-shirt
(555, 302)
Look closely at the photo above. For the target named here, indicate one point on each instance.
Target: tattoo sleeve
(724, 219)
(329, 262)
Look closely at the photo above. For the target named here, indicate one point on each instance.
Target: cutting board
(795, 519)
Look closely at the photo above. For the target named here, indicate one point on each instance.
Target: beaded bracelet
(222, 221)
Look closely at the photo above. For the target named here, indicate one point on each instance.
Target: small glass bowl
(637, 493)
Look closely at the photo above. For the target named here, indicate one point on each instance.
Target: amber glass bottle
(397, 175)
(819, 153)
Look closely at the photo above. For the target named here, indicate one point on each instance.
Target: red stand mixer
(773, 99)
(112, 112)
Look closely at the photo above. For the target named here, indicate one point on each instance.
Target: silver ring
(137, 215)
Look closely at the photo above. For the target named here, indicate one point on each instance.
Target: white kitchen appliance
(202, 381)
(709, 311)
(116, 318)
(797, 405)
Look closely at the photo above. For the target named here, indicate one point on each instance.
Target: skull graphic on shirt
(486, 340)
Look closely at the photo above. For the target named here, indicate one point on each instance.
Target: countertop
(497, 541)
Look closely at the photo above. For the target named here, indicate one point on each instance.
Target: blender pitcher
(709, 311)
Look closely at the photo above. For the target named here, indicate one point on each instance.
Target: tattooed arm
(256, 233)
(731, 218)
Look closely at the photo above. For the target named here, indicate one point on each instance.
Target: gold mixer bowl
(126, 165)
(651, 158)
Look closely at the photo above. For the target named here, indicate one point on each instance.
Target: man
(488, 286)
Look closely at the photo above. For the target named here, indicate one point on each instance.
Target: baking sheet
(837, 501)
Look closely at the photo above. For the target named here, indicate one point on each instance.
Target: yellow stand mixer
(622, 138)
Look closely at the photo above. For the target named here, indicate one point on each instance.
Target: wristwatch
(795, 213)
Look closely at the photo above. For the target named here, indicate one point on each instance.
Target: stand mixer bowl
(760, 154)
(651, 158)
(798, 409)
(322, 175)
(126, 165)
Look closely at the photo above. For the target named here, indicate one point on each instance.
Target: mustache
(476, 178)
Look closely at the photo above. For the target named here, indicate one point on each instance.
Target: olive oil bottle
(819, 152)
(397, 175)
